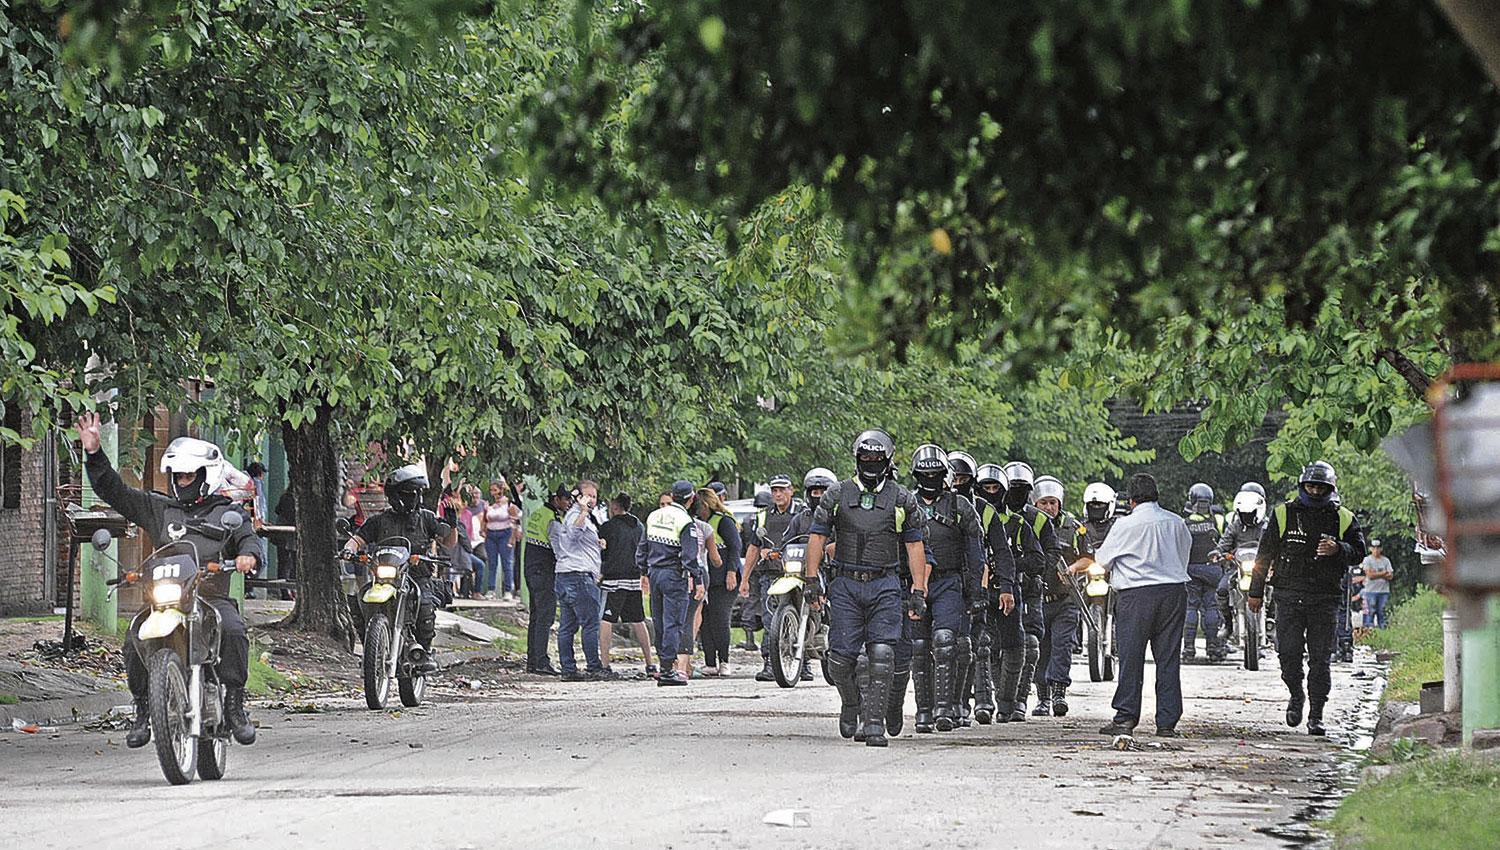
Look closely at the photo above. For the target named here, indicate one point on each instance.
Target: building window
(10, 463)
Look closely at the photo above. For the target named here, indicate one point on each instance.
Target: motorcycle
(389, 606)
(1250, 625)
(1096, 602)
(795, 627)
(178, 637)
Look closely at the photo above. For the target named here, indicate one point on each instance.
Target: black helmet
(405, 486)
(762, 499)
(1200, 496)
(1319, 472)
(929, 466)
(874, 451)
(961, 463)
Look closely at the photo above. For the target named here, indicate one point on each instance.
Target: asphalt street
(627, 764)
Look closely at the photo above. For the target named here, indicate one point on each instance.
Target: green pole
(1481, 672)
(99, 606)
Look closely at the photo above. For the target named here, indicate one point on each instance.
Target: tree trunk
(313, 469)
(1414, 375)
(1478, 23)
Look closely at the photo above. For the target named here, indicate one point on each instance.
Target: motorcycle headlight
(1245, 582)
(166, 593)
(1097, 587)
(1247, 567)
(1096, 571)
(385, 572)
(793, 566)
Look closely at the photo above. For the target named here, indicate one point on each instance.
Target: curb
(57, 712)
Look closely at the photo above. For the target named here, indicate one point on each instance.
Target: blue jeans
(578, 597)
(1375, 604)
(1151, 615)
(497, 551)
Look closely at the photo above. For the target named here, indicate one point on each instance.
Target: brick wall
(21, 560)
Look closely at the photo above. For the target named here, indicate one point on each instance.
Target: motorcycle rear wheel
(170, 706)
(377, 655)
(785, 664)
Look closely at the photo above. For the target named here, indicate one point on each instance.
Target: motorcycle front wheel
(412, 690)
(377, 656)
(213, 756)
(1101, 663)
(786, 665)
(1250, 636)
(170, 707)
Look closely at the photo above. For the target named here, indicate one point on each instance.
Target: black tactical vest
(869, 538)
(177, 527)
(1096, 532)
(947, 545)
(1205, 533)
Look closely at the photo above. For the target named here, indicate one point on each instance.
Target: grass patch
(263, 677)
(513, 642)
(40, 618)
(1440, 803)
(9, 699)
(1416, 631)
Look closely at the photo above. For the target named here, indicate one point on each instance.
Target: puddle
(1354, 732)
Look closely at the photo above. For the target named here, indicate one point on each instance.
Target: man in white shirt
(1146, 554)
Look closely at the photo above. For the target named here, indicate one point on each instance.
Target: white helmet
(1248, 502)
(1049, 487)
(819, 477)
(1098, 501)
(1017, 472)
(189, 455)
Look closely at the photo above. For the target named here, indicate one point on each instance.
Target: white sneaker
(724, 668)
(490, 595)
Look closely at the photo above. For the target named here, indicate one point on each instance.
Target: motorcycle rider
(1098, 512)
(1020, 481)
(743, 615)
(873, 518)
(668, 556)
(814, 484)
(1205, 527)
(405, 517)
(771, 525)
(195, 470)
(1060, 608)
(1005, 613)
(1244, 528)
(1305, 553)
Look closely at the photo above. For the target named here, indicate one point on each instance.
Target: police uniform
(420, 527)
(1203, 586)
(772, 530)
(1014, 643)
(865, 597)
(1308, 591)
(538, 564)
(668, 556)
(1061, 615)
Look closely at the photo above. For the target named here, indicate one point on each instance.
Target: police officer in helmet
(1020, 481)
(1060, 608)
(1305, 553)
(874, 519)
(1205, 526)
(1005, 613)
(405, 517)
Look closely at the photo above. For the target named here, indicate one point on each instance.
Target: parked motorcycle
(795, 627)
(1096, 605)
(389, 607)
(178, 637)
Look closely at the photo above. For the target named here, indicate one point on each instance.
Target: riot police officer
(1060, 608)
(668, 556)
(874, 518)
(1205, 526)
(1020, 481)
(770, 533)
(1005, 614)
(1305, 553)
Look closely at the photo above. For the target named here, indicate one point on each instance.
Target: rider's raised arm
(134, 504)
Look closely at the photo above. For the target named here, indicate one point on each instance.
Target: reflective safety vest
(536, 526)
(665, 525)
(1346, 519)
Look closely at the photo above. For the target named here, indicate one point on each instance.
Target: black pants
(1306, 621)
(543, 603)
(715, 631)
(234, 650)
(1153, 616)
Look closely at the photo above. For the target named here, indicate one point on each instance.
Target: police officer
(770, 534)
(1060, 608)
(956, 562)
(1305, 553)
(668, 556)
(195, 470)
(1243, 529)
(874, 518)
(1005, 613)
(1020, 481)
(743, 615)
(1098, 512)
(405, 517)
(972, 680)
(1205, 526)
(538, 565)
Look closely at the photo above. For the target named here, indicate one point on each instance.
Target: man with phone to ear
(1305, 551)
(576, 545)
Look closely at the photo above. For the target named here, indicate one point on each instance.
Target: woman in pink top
(500, 520)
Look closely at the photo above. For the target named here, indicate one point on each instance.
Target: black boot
(921, 681)
(806, 674)
(895, 706)
(1315, 719)
(1043, 701)
(944, 685)
(766, 674)
(842, 673)
(235, 716)
(964, 670)
(1190, 646)
(861, 681)
(1059, 699)
(1007, 681)
(1028, 669)
(984, 683)
(1294, 709)
(875, 698)
(140, 728)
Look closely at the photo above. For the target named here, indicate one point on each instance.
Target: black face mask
(996, 499)
(1096, 511)
(813, 499)
(965, 489)
(872, 472)
(1015, 497)
(404, 501)
(930, 483)
(1248, 520)
(193, 492)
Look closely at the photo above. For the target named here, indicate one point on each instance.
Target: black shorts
(623, 606)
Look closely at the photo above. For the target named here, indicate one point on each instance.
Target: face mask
(930, 483)
(1312, 501)
(193, 492)
(812, 501)
(993, 498)
(1015, 497)
(871, 472)
(1096, 511)
(1247, 520)
(404, 501)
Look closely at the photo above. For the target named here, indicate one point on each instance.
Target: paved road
(625, 764)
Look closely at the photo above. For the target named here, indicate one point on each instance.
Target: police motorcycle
(1096, 601)
(1250, 625)
(178, 636)
(388, 606)
(795, 631)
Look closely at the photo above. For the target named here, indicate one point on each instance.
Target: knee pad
(1033, 648)
(920, 648)
(944, 639)
(880, 653)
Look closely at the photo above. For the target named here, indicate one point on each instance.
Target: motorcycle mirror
(341, 525)
(232, 520)
(101, 539)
